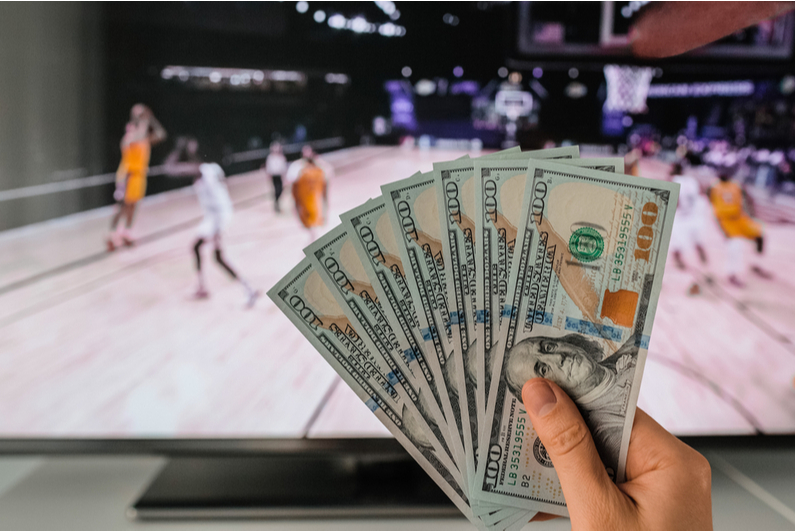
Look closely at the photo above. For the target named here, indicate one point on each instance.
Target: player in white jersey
(690, 221)
(276, 166)
(209, 184)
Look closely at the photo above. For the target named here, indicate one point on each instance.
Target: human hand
(668, 483)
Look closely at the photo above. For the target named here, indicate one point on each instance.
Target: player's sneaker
(201, 294)
(736, 282)
(767, 275)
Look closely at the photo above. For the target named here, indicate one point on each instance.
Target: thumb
(561, 428)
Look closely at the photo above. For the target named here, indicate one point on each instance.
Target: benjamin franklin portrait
(598, 382)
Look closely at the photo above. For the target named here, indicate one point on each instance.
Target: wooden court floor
(112, 345)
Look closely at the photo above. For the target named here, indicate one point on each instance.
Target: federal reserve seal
(586, 244)
(540, 453)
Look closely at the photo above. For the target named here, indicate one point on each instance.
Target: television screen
(126, 313)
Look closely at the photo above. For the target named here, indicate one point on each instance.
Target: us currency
(499, 187)
(455, 186)
(374, 241)
(335, 257)
(580, 305)
(499, 194)
(412, 207)
(309, 304)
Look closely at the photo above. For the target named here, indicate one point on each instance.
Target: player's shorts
(688, 231)
(311, 212)
(136, 187)
(212, 225)
(740, 227)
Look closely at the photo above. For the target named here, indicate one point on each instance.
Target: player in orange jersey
(309, 178)
(733, 210)
(142, 131)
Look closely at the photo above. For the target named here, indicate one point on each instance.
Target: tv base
(284, 485)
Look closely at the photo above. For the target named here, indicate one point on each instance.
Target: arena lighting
(235, 76)
(502, 72)
(286, 75)
(406, 71)
(302, 7)
(458, 71)
(337, 21)
(425, 87)
(629, 10)
(575, 90)
(387, 7)
(320, 15)
(449, 19)
(702, 90)
(538, 72)
(387, 30)
(359, 24)
(573, 73)
(338, 79)
(465, 87)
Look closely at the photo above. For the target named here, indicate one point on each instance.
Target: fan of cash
(438, 300)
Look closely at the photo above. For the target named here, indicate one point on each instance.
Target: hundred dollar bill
(412, 208)
(309, 304)
(372, 236)
(455, 197)
(374, 241)
(580, 305)
(499, 192)
(455, 192)
(335, 257)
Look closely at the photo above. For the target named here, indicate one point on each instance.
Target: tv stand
(334, 480)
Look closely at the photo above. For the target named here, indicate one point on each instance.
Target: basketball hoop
(627, 88)
(513, 104)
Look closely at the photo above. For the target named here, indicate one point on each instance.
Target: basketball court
(112, 344)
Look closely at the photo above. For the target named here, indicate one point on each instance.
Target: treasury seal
(586, 244)
(540, 453)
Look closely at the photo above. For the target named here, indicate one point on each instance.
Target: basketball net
(627, 88)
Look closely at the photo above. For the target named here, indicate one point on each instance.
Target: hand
(668, 483)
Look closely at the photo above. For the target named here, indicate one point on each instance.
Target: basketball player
(141, 133)
(276, 167)
(689, 222)
(217, 206)
(734, 210)
(308, 177)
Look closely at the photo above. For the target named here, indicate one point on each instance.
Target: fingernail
(538, 397)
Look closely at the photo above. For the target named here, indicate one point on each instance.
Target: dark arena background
(99, 344)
